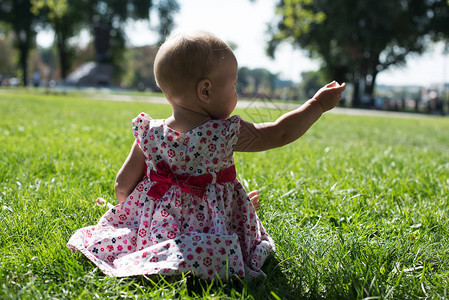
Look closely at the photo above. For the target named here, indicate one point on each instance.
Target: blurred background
(394, 55)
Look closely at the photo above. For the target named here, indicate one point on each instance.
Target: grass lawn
(357, 208)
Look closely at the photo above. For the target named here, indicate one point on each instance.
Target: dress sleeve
(233, 130)
(141, 125)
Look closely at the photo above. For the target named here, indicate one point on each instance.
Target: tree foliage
(108, 19)
(7, 66)
(66, 18)
(253, 81)
(105, 19)
(311, 82)
(166, 9)
(140, 72)
(358, 39)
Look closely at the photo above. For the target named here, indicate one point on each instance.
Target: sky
(244, 23)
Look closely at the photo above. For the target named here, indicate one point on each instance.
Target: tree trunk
(370, 85)
(102, 37)
(369, 88)
(24, 51)
(62, 51)
(63, 61)
(22, 26)
(339, 74)
(356, 93)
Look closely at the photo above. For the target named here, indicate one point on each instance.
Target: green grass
(357, 208)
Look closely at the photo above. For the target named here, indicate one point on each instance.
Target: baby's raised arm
(290, 126)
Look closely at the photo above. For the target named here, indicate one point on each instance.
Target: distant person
(36, 79)
(181, 208)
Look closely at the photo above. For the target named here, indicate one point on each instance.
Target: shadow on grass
(282, 284)
(277, 285)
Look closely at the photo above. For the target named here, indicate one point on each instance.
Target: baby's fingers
(254, 197)
(336, 86)
(331, 84)
(341, 86)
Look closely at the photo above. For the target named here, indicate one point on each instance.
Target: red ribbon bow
(164, 178)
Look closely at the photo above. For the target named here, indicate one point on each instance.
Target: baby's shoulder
(229, 122)
(228, 129)
(143, 123)
(141, 118)
(144, 119)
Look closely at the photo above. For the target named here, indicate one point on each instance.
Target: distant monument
(98, 73)
(91, 74)
(102, 37)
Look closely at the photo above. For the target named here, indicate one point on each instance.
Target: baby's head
(185, 58)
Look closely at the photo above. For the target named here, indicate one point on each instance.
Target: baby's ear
(203, 90)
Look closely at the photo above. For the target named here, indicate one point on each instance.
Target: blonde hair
(185, 58)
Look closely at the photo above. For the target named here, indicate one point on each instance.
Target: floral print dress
(188, 214)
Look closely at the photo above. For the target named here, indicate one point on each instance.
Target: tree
(311, 82)
(254, 81)
(17, 13)
(166, 9)
(140, 72)
(7, 58)
(67, 18)
(106, 19)
(261, 79)
(439, 24)
(243, 80)
(356, 39)
(109, 17)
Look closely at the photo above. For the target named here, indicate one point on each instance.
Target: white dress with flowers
(182, 221)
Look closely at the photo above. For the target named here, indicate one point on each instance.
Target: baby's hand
(329, 95)
(254, 197)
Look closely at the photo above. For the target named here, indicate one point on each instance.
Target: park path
(265, 103)
(96, 94)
